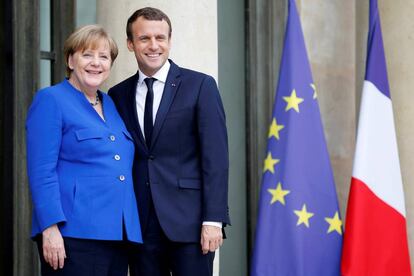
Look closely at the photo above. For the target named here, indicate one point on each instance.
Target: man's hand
(53, 247)
(211, 238)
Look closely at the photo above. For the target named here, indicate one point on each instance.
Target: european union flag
(299, 229)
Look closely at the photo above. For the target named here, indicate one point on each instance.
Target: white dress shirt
(158, 88)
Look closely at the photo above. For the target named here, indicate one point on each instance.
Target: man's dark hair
(149, 14)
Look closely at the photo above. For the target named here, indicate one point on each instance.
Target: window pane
(85, 12)
(45, 25)
(45, 73)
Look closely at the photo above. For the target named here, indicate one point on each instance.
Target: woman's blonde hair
(88, 37)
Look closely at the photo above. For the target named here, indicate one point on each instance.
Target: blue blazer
(80, 167)
(185, 170)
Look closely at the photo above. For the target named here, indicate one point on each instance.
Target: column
(397, 31)
(329, 30)
(194, 34)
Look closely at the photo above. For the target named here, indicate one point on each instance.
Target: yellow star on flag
(269, 163)
(274, 129)
(315, 95)
(303, 216)
(293, 101)
(278, 194)
(335, 224)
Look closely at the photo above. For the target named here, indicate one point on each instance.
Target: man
(177, 121)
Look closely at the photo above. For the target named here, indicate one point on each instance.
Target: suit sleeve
(43, 140)
(214, 152)
(112, 94)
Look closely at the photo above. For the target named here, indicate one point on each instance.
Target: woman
(79, 158)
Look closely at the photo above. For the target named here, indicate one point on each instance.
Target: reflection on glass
(45, 73)
(85, 12)
(45, 25)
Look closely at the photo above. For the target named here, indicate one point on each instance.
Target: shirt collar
(160, 75)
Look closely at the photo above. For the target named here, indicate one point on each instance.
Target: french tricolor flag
(375, 239)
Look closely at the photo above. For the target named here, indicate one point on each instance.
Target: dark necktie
(148, 124)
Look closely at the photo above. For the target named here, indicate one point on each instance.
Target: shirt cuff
(213, 223)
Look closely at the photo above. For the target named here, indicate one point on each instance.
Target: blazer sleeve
(43, 140)
(212, 134)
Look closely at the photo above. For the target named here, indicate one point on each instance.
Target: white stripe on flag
(376, 156)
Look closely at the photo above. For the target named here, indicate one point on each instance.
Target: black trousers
(158, 256)
(89, 258)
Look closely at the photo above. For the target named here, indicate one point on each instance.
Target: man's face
(150, 43)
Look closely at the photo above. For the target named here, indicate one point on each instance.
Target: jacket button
(147, 183)
(122, 177)
(117, 157)
(112, 138)
(151, 157)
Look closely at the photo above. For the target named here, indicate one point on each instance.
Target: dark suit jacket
(185, 170)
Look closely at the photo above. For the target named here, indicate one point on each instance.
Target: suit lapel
(132, 111)
(170, 89)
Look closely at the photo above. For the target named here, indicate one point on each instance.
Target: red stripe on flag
(375, 238)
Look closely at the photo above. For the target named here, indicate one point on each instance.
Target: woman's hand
(53, 247)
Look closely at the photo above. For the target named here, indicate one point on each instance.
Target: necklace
(96, 102)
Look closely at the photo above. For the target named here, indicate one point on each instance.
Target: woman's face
(90, 67)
